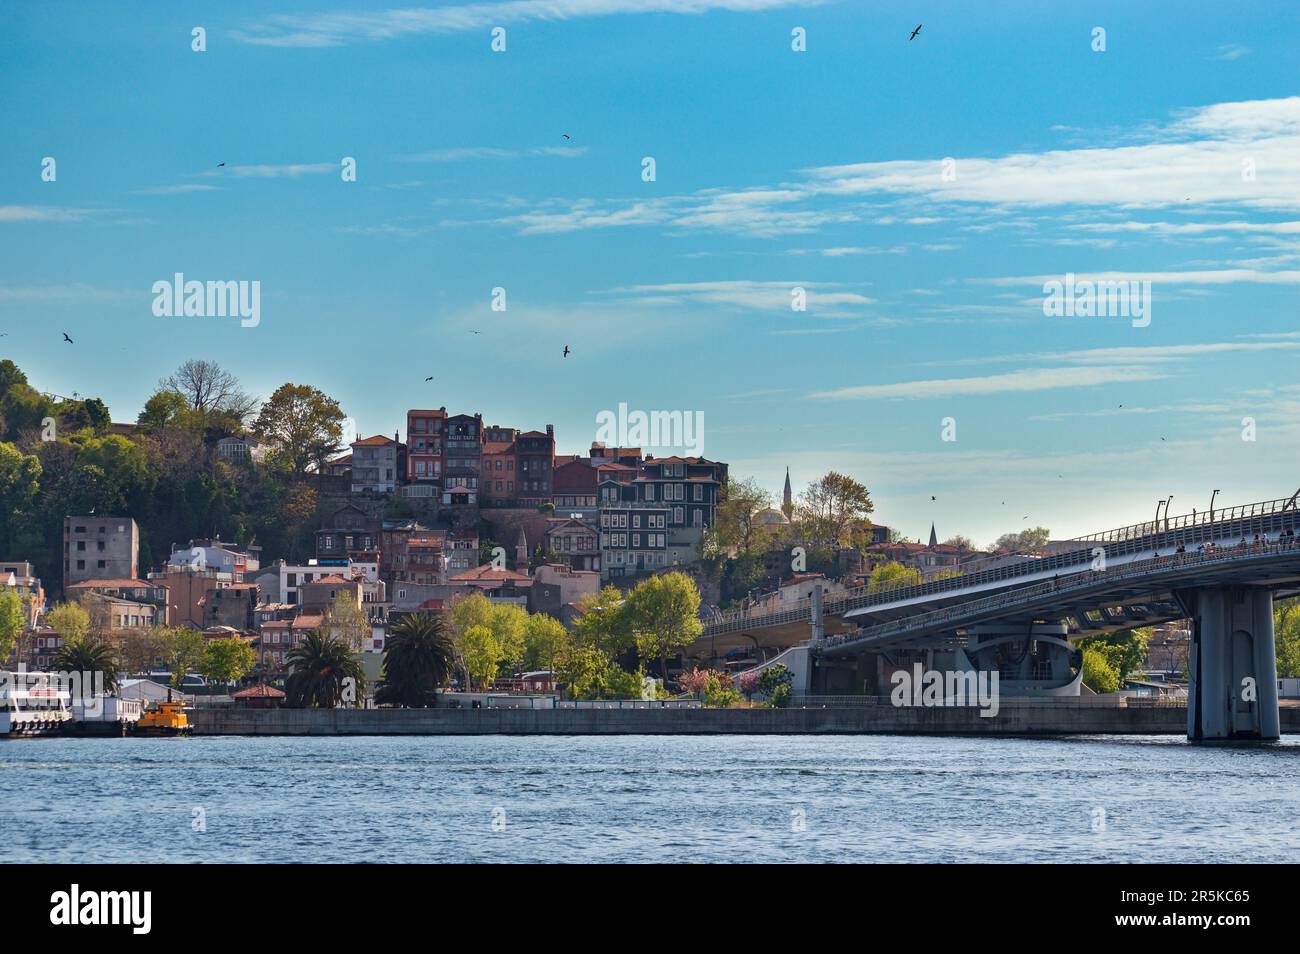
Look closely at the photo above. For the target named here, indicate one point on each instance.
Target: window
(699, 491)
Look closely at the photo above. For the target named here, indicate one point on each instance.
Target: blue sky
(774, 169)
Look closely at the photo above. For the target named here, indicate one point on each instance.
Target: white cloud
(341, 28)
(1023, 380)
(290, 170)
(464, 153)
(760, 295)
(42, 213)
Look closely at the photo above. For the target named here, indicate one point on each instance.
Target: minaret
(787, 502)
(934, 539)
(521, 553)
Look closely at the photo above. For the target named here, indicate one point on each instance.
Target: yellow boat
(168, 719)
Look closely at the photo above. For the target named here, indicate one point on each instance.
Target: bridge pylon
(1232, 685)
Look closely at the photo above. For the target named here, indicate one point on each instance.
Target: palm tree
(89, 655)
(319, 669)
(418, 658)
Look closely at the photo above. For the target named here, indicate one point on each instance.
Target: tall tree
(89, 655)
(323, 674)
(829, 508)
(227, 660)
(1023, 541)
(665, 616)
(12, 622)
(70, 621)
(737, 528)
(209, 388)
(303, 426)
(418, 658)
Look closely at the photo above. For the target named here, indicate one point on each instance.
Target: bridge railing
(1257, 519)
(1076, 581)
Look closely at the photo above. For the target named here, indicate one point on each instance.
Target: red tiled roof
(333, 578)
(259, 692)
(117, 584)
(377, 440)
(486, 573)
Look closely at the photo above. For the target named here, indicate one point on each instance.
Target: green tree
(545, 641)
(182, 649)
(323, 674)
(89, 655)
(20, 483)
(12, 622)
(603, 622)
(482, 653)
(302, 425)
(1286, 636)
(227, 660)
(164, 409)
(419, 656)
(70, 621)
(664, 614)
(1098, 674)
(888, 576)
(1125, 651)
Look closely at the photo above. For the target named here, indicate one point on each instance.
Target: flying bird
(67, 339)
(476, 332)
(429, 378)
(932, 497)
(567, 136)
(914, 33)
(220, 164)
(566, 351)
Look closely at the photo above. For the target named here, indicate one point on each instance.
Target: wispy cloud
(1023, 380)
(44, 213)
(756, 295)
(290, 170)
(344, 27)
(1231, 51)
(175, 189)
(466, 153)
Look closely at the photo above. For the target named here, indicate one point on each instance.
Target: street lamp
(1212, 496)
(1167, 503)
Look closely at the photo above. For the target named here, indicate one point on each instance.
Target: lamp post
(1212, 496)
(1167, 503)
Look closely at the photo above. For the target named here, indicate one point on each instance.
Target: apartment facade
(99, 548)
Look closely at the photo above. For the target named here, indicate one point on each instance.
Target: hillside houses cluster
(458, 507)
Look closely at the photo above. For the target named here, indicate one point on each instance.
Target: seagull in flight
(932, 497)
(566, 351)
(914, 33)
(476, 332)
(429, 378)
(67, 339)
(567, 136)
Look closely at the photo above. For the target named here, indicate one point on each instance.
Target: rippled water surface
(648, 798)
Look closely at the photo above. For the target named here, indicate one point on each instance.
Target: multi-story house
(122, 604)
(350, 534)
(536, 453)
(463, 450)
(425, 448)
(213, 554)
(99, 548)
(573, 542)
(377, 464)
(462, 550)
(573, 486)
(499, 475)
(653, 517)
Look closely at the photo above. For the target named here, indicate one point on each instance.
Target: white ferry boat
(31, 704)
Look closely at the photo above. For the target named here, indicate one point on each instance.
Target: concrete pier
(1232, 685)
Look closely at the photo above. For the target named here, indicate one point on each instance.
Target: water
(647, 798)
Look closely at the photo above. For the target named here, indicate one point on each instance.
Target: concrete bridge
(1221, 570)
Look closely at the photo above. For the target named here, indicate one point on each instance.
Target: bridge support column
(818, 617)
(1232, 689)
